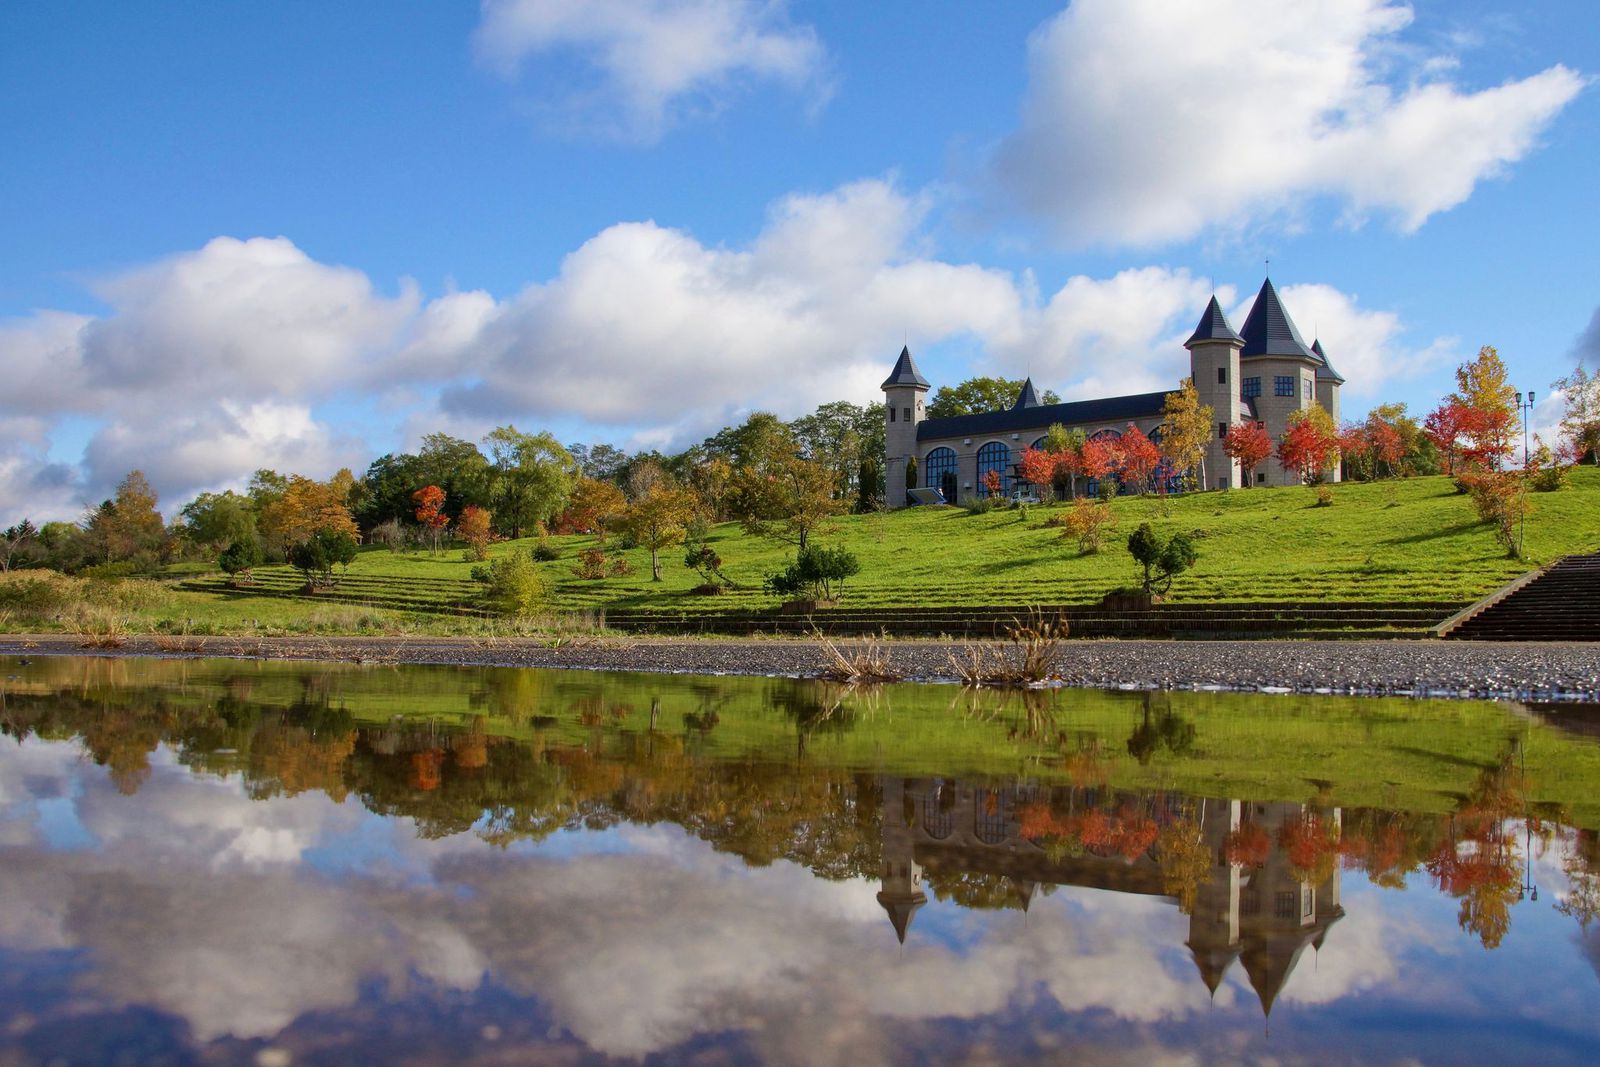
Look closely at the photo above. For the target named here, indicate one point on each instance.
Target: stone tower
(1214, 364)
(903, 394)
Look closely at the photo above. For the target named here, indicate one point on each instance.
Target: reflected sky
(621, 896)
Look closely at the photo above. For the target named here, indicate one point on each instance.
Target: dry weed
(1030, 658)
(863, 661)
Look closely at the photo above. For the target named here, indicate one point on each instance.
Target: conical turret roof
(1325, 372)
(1213, 963)
(905, 372)
(901, 908)
(1213, 327)
(1027, 398)
(1268, 329)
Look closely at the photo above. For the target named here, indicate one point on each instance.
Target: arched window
(939, 472)
(1039, 444)
(994, 456)
(1164, 472)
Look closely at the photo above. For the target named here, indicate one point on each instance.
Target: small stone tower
(903, 393)
(1214, 363)
(902, 893)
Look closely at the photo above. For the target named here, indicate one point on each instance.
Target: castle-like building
(1262, 373)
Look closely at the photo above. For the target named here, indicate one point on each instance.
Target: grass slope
(1416, 540)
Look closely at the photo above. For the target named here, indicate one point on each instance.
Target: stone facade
(1263, 373)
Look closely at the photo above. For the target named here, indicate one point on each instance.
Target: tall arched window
(994, 456)
(939, 472)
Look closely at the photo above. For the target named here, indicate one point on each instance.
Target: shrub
(620, 567)
(817, 571)
(1162, 558)
(1324, 497)
(544, 551)
(1546, 472)
(704, 561)
(515, 585)
(238, 558)
(1088, 523)
(1501, 499)
(980, 505)
(591, 564)
(317, 556)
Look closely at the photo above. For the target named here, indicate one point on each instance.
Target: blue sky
(301, 235)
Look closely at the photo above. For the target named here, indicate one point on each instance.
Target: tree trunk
(655, 564)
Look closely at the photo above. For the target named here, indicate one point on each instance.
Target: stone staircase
(1559, 603)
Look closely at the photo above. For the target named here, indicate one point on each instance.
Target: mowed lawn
(1414, 540)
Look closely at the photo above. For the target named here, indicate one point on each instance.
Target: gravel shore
(1534, 670)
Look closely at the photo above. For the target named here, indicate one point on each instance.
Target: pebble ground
(1530, 670)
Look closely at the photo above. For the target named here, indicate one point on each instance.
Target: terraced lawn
(1416, 540)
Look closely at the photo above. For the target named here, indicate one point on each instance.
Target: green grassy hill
(1397, 541)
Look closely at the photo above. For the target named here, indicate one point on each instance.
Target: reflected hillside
(985, 801)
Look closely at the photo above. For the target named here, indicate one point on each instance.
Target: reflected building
(1261, 910)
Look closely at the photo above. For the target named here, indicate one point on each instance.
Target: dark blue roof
(1325, 372)
(1213, 327)
(905, 372)
(1027, 398)
(1017, 419)
(1268, 330)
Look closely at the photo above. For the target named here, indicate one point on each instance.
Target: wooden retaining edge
(1473, 610)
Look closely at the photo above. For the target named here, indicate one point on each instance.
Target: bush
(704, 561)
(591, 564)
(1324, 497)
(1501, 499)
(239, 557)
(516, 587)
(818, 572)
(316, 557)
(545, 551)
(1088, 523)
(979, 505)
(1161, 558)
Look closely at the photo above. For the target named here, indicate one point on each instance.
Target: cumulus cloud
(647, 324)
(1147, 122)
(652, 61)
(1367, 346)
(244, 353)
(1587, 348)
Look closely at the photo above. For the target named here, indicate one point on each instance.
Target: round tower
(1214, 365)
(903, 409)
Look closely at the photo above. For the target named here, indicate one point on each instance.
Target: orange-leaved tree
(1310, 445)
(1137, 459)
(474, 527)
(430, 511)
(1248, 444)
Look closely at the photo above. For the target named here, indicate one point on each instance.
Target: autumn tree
(474, 526)
(1248, 444)
(592, 505)
(1417, 453)
(1444, 428)
(1038, 468)
(1097, 460)
(1186, 431)
(977, 395)
(657, 520)
(430, 511)
(1489, 406)
(1310, 444)
(533, 477)
(785, 498)
(128, 526)
(1067, 448)
(1088, 523)
(1580, 420)
(1137, 458)
(302, 508)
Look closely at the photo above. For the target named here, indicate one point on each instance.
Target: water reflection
(205, 860)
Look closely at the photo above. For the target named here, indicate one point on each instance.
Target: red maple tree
(1248, 443)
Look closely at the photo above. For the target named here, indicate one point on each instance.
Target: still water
(233, 862)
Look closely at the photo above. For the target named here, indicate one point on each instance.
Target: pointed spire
(1326, 371)
(905, 372)
(1213, 327)
(1213, 963)
(901, 908)
(1027, 398)
(1268, 330)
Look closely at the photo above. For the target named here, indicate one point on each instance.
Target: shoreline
(1541, 671)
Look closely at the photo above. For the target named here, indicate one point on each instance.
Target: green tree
(325, 549)
(533, 476)
(786, 499)
(19, 546)
(213, 520)
(1580, 421)
(1161, 558)
(457, 467)
(817, 570)
(978, 395)
(128, 527)
(239, 558)
(515, 585)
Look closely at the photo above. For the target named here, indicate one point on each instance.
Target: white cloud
(653, 60)
(1147, 122)
(1367, 346)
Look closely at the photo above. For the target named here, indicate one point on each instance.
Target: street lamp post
(1525, 410)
